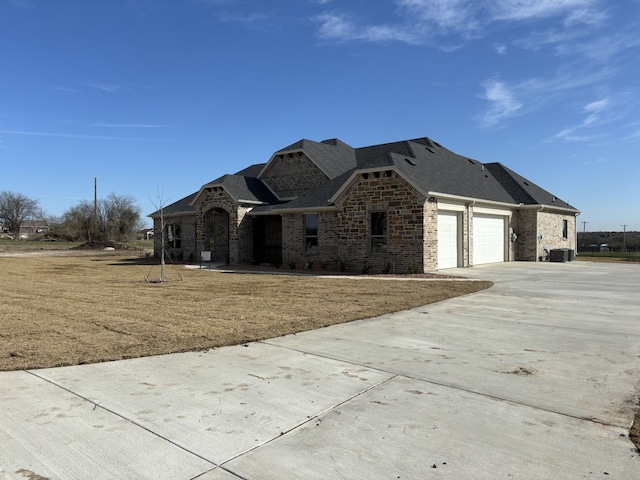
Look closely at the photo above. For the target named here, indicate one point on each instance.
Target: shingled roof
(333, 157)
(429, 167)
(433, 170)
(181, 207)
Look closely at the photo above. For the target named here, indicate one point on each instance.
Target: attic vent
(526, 183)
(471, 161)
(410, 162)
(553, 199)
(431, 150)
(436, 144)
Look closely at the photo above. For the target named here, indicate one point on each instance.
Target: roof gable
(333, 157)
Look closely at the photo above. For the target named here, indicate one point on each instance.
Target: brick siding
(292, 174)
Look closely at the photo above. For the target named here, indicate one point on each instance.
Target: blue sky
(157, 97)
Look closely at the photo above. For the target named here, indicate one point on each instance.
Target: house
(404, 206)
(31, 228)
(145, 234)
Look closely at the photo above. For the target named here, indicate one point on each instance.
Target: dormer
(306, 165)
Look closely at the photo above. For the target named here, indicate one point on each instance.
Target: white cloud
(107, 87)
(505, 100)
(66, 135)
(335, 26)
(572, 10)
(340, 27)
(635, 135)
(445, 15)
(430, 19)
(502, 102)
(246, 18)
(594, 111)
(66, 89)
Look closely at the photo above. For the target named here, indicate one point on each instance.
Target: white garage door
(447, 240)
(488, 239)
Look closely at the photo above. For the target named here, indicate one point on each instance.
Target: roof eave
(461, 198)
(279, 211)
(553, 207)
(176, 214)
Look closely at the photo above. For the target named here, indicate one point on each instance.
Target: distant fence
(596, 251)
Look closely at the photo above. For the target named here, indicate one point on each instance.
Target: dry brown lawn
(71, 310)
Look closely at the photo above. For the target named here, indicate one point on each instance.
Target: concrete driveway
(537, 377)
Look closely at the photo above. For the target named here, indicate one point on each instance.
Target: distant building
(32, 228)
(146, 234)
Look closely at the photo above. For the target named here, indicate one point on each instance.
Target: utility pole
(624, 234)
(584, 231)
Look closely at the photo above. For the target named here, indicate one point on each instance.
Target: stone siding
(550, 232)
(239, 246)
(293, 240)
(539, 229)
(187, 224)
(291, 174)
(407, 244)
(526, 228)
(430, 239)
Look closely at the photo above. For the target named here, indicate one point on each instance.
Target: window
(173, 236)
(378, 232)
(565, 229)
(310, 231)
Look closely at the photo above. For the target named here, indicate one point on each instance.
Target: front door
(267, 239)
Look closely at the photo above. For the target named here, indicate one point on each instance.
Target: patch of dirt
(101, 246)
(634, 433)
(523, 371)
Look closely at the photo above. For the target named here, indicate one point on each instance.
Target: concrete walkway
(535, 378)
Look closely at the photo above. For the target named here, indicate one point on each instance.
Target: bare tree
(15, 208)
(113, 219)
(120, 216)
(76, 223)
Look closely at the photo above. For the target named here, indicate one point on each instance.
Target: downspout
(516, 231)
(469, 209)
(538, 239)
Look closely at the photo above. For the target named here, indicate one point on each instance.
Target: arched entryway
(216, 234)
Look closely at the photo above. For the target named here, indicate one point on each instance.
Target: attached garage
(448, 240)
(489, 238)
